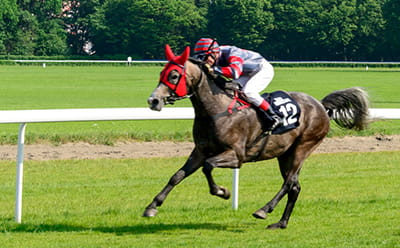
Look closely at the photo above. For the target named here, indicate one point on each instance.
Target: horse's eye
(173, 78)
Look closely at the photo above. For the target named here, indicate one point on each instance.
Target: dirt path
(170, 149)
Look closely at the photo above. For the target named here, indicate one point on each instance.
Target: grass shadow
(117, 230)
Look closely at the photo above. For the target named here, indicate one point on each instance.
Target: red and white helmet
(205, 46)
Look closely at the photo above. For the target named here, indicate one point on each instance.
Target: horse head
(173, 84)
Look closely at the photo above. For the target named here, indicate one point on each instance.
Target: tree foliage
(279, 29)
(141, 28)
(244, 23)
(8, 24)
(78, 23)
(391, 10)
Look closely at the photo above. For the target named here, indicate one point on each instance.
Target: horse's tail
(348, 108)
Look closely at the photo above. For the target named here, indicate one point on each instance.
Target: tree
(391, 12)
(279, 29)
(47, 31)
(43, 10)
(51, 40)
(141, 28)
(8, 25)
(369, 33)
(77, 20)
(288, 38)
(244, 23)
(334, 28)
(25, 37)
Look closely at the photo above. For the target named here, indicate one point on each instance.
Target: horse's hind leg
(290, 167)
(194, 162)
(290, 164)
(292, 198)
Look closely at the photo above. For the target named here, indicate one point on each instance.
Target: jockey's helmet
(204, 47)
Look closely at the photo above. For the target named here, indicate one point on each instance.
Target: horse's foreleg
(227, 159)
(194, 162)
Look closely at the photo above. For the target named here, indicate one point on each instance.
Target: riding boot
(268, 110)
(276, 118)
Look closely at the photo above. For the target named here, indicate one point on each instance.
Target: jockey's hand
(208, 68)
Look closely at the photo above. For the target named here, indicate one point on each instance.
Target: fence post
(235, 189)
(20, 172)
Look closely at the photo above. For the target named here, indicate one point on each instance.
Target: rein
(172, 99)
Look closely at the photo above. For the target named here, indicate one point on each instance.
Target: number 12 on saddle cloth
(286, 107)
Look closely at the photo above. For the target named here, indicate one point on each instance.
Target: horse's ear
(184, 56)
(168, 53)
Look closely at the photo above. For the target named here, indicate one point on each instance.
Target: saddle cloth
(284, 106)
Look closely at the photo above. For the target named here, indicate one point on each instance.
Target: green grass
(34, 87)
(103, 132)
(383, 86)
(347, 200)
(31, 87)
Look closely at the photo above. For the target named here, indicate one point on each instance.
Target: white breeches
(256, 83)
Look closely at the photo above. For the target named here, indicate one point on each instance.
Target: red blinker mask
(175, 63)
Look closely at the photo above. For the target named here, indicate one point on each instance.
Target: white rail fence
(23, 117)
(129, 61)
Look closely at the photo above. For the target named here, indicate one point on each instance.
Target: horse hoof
(224, 193)
(260, 214)
(150, 212)
(278, 225)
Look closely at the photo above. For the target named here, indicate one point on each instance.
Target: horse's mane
(226, 85)
(195, 61)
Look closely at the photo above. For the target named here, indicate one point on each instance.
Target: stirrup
(277, 122)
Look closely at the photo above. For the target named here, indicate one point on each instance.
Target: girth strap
(236, 99)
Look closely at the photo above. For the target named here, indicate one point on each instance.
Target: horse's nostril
(155, 101)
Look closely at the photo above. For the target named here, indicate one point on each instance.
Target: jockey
(248, 68)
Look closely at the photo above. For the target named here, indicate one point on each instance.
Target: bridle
(178, 87)
(174, 97)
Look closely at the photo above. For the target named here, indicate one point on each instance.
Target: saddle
(281, 102)
(284, 106)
